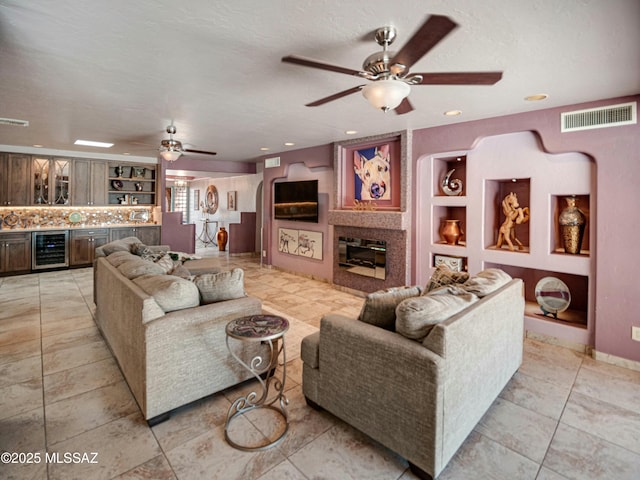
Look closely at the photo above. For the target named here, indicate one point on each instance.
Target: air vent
(14, 122)
(271, 162)
(602, 117)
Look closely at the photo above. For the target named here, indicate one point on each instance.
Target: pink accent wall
(615, 151)
(181, 238)
(242, 236)
(321, 159)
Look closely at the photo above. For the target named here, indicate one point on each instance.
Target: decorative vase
(452, 231)
(222, 236)
(119, 171)
(451, 186)
(572, 224)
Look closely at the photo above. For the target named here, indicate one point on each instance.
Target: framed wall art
(231, 200)
(304, 243)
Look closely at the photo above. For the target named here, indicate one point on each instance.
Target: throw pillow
(415, 317)
(379, 307)
(443, 276)
(181, 271)
(166, 263)
(135, 268)
(216, 287)
(487, 281)
(170, 293)
(122, 245)
(146, 253)
(118, 258)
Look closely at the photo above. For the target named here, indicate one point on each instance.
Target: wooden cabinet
(131, 184)
(15, 172)
(89, 182)
(15, 252)
(147, 235)
(83, 244)
(50, 180)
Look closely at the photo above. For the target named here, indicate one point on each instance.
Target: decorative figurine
(516, 215)
(450, 186)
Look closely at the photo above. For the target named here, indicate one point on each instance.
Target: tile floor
(563, 415)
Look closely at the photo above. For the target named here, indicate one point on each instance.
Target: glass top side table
(270, 330)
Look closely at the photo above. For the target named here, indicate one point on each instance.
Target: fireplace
(365, 247)
(363, 256)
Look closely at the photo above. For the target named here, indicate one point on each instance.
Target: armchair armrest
(383, 384)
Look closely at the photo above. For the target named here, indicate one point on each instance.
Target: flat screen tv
(296, 201)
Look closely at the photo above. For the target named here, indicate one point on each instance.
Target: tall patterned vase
(572, 224)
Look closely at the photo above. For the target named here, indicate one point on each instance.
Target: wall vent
(14, 122)
(272, 162)
(602, 117)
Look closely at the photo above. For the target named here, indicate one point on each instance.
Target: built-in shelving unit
(496, 167)
(132, 184)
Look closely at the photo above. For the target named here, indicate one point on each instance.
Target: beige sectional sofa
(411, 378)
(170, 347)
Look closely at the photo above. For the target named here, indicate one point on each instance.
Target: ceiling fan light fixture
(170, 155)
(387, 94)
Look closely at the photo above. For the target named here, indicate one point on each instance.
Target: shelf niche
(440, 215)
(577, 313)
(443, 165)
(495, 193)
(558, 203)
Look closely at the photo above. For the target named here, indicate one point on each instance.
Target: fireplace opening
(363, 256)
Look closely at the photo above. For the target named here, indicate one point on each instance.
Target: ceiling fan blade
(404, 107)
(322, 66)
(434, 29)
(335, 96)
(200, 152)
(460, 78)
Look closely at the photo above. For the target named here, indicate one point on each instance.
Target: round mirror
(553, 296)
(212, 199)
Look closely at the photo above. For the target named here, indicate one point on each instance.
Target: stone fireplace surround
(396, 258)
(391, 226)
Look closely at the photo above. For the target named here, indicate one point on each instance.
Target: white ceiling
(120, 70)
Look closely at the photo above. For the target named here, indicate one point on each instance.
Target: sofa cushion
(170, 292)
(122, 245)
(216, 287)
(118, 258)
(486, 281)
(444, 276)
(416, 316)
(137, 267)
(379, 307)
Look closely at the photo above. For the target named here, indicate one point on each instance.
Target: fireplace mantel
(369, 219)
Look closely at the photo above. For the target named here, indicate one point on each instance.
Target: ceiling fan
(389, 71)
(171, 149)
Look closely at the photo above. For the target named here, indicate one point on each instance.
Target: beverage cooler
(49, 249)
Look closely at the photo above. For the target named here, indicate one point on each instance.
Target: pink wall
(320, 158)
(615, 150)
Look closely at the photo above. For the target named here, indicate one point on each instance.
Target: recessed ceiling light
(90, 143)
(37, 145)
(537, 97)
(264, 149)
(289, 144)
(351, 132)
(453, 113)
(126, 153)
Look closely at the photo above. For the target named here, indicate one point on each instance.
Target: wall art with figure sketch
(300, 242)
